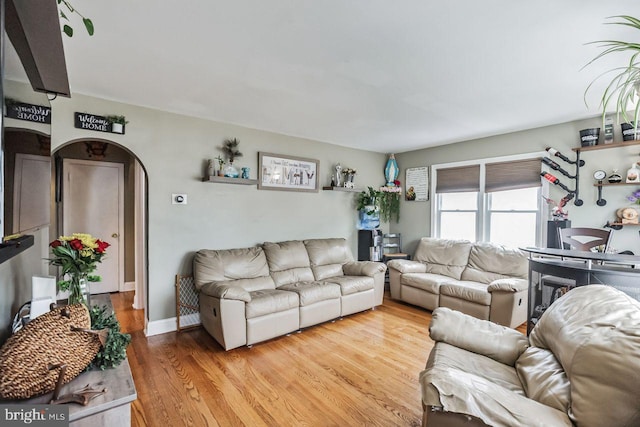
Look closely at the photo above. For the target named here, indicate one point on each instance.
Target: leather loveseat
(254, 294)
(580, 366)
(484, 280)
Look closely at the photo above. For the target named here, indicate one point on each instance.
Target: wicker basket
(26, 357)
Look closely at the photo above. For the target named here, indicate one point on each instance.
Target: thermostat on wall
(179, 199)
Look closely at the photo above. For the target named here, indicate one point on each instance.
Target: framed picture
(417, 183)
(279, 172)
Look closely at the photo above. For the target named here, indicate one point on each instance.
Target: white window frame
(482, 225)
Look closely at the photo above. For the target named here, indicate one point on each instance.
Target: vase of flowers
(78, 256)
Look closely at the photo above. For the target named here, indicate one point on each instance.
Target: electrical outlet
(179, 199)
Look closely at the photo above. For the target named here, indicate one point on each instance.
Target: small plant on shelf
(230, 149)
(368, 201)
(121, 120)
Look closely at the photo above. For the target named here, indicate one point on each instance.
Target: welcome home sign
(93, 122)
(28, 112)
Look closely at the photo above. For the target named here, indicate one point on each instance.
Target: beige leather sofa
(483, 280)
(254, 294)
(579, 367)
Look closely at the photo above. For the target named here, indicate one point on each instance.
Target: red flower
(55, 243)
(396, 183)
(102, 246)
(76, 244)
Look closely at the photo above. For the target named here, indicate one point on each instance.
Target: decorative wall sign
(28, 112)
(417, 184)
(278, 172)
(94, 122)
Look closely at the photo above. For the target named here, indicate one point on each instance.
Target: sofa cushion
(443, 256)
(468, 291)
(426, 281)
(543, 378)
(269, 301)
(593, 331)
(313, 292)
(469, 393)
(452, 357)
(232, 264)
(327, 256)
(489, 262)
(353, 284)
(288, 262)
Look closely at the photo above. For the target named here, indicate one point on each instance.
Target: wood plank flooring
(359, 371)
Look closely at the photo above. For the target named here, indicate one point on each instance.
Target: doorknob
(114, 235)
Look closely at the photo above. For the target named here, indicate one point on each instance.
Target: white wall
(416, 217)
(174, 149)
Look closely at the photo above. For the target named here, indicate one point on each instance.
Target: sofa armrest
(478, 336)
(406, 266)
(508, 285)
(363, 268)
(225, 290)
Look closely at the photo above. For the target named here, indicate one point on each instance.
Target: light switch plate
(179, 199)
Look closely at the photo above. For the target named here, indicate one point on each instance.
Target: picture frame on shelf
(287, 173)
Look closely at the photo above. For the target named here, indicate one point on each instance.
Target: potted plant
(389, 202)
(220, 164)
(230, 149)
(623, 87)
(368, 209)
(349, 175)
(117, 123)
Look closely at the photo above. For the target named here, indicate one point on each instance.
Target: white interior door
(93, 202)
(31, 192)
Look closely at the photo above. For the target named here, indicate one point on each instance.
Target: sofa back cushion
(327, 256)
(489, 262)
(443, 256)
(594, 332)
(288, 262)
(543, 378)
(247, 266)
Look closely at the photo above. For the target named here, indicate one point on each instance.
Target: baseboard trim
(128, 286)
(162, 326)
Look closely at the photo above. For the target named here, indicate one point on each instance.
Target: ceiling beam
(34, 30)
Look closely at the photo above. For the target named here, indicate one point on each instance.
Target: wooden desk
(110, 409)
(584, 268)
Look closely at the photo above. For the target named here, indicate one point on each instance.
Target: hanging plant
(623, 87)
(88, 24)
(389, 202)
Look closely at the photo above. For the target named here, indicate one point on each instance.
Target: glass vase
(79, 291)
(230, 171)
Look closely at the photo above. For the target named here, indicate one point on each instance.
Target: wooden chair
(584, 239)
(580, 239)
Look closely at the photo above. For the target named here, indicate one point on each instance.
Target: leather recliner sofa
(484, 280)
(580, 366)
(254, 294)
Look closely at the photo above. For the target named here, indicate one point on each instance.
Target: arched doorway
(79, 167)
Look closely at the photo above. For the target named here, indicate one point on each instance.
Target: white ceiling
(381, 75)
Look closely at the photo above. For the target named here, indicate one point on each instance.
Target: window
(497, 201)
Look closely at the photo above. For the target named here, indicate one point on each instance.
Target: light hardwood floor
(359, 371)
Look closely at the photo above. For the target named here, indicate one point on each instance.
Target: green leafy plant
(117, 119)
(220, 161)
(230, 149)
(623, 87)
(367, 199)
(67, 29)
(115, 348)
(389, 202)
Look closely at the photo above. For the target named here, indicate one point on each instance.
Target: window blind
(460, 179)
(512, 175)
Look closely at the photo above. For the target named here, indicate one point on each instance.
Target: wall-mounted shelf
(352, 190)
(615, 183)
(227, 180)
(605, 146)
(13, 247)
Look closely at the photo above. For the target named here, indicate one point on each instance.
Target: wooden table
(110, 409)
(584, 268)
